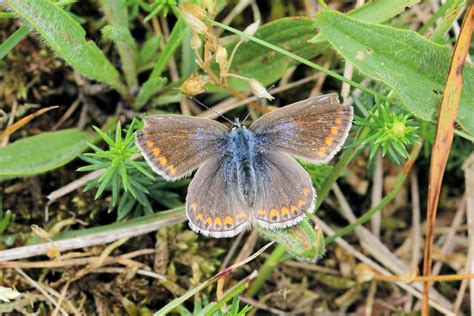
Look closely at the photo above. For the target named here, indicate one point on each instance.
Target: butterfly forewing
(313, 129)
(214, 205)
(284, 189)
(175, 145)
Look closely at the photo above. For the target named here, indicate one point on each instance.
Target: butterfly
(247, 176)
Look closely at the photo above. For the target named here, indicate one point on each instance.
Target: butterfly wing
(175, 145)
(214, 205)
(313, 129)
(284, 189)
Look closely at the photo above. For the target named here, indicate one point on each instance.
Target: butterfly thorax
(241, 155)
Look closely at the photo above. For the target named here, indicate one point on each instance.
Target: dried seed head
(53, 251)
(259, 90)
(211, 42)
(252, 28)
(193, 15)
(196, 41)
(211, 7)
(221, 56)
(40, 232)
(194, 10)
(194, 85)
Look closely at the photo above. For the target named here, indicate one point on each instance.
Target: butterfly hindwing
(313, 129)
(214, 205)
(175, 145)
(284, 189)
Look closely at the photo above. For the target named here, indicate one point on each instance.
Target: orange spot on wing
(193, 207)
(273, 214)
(338, 121)
(300, 203)
(156, 151)
(293, 208)
(334, 130)
(209, 221)
(240, 216)
(260, 212)
(322, 151)
(228, 221)
(172, 169)
(200, 217)
(149, 143)
(163, 160)
(306, 192)
(218, 221)
(284, 211)
(328, 140)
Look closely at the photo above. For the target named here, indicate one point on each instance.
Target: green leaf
(302, 241)
(13, 40)
(42, 153)
(67, 38)
(414, 67)
(378, 11)
(149, 88)
(118, 31)
(149, 50)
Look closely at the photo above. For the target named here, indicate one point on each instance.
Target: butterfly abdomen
(242, 154)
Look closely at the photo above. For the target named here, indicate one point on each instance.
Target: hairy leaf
(414, 67)
(67, 38)
(42, 153)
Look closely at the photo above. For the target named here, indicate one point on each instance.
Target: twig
(68, 113)
(415, 229)
(468, 167)
(139, 226)
(40, 288)
(11, 119)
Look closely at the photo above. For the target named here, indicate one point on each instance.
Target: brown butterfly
(247, 176)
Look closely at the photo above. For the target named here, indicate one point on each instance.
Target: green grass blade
(13, 40)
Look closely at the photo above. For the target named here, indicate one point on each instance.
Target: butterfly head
(237, 124)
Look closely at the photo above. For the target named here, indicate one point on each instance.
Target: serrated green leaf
(414, 67)
(67, 38)
(42, 153)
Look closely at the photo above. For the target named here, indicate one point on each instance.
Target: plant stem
(272, 261)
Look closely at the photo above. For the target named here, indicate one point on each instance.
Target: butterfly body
(242, 156)
(247, 176)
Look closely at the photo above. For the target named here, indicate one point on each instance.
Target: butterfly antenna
(258, 102)
(208, 108)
